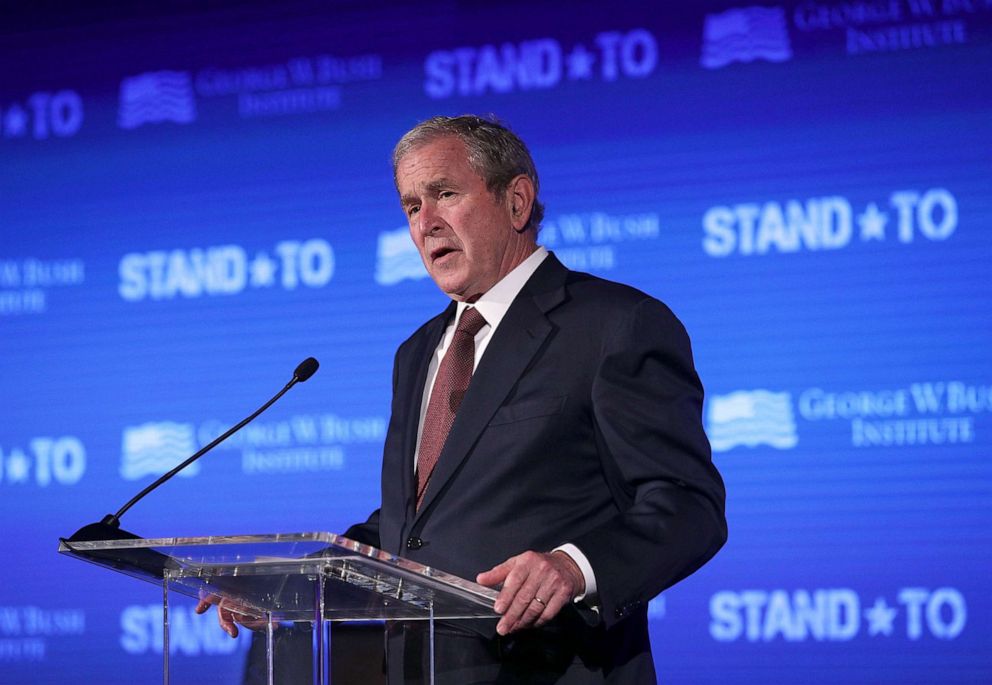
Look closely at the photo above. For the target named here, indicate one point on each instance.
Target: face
(467, 237)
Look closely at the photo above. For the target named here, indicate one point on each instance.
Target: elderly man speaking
(545, 436)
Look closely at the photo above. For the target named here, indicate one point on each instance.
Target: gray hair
(495, 153)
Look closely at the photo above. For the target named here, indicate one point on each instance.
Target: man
(574, 472)
(545, 435)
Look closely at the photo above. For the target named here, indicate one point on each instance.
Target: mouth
(440, 252)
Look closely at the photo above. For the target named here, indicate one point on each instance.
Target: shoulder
(615, 304)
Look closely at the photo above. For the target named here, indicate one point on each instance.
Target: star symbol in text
(18, 466)
(880, 617)
(580, 63)
(263, 270)
(14, 122)
(872, 223)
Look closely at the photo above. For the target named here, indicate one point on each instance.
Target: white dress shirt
(493, 306)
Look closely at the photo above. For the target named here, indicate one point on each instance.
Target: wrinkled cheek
(423, 255)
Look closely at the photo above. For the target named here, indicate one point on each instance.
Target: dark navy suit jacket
(582, 424)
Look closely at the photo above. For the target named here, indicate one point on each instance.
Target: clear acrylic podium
(292, 581)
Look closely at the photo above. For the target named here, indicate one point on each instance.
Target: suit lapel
(520, 335)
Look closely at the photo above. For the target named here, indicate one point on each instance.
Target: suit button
(414, 543)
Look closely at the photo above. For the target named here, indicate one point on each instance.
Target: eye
(445, 194)
(412, 209)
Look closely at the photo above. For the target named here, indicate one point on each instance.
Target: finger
(207, 600)
(529, 616)
(497, 574)
(519, 590)
(558, 600)
(556, 590)
(524, 609)
(541, 600)
(536, 610)
(226, 620)
(518, 572)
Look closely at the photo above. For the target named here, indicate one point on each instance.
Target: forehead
(445, 157)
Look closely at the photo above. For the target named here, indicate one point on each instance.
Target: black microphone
(109, 527)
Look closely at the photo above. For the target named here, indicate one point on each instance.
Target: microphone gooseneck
(109, 526)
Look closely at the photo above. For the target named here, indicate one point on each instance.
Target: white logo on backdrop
(43, 114)
(751, 418)
(923, 413)
(43, 462)
(593, 240)
(539, 64)
(156, 447)
(26, 284)
(300, 443)
(224, 270)
(27, 631)
(744, 35)
(156, 96)
(835, 615)
(397, 258)
(828, 223)
(869, 27)
(298, 85)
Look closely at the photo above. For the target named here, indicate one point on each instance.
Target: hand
(229, 614)
(535, 588)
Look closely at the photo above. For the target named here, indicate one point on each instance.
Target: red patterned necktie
(452, 381)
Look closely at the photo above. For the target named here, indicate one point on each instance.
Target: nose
(428, 220)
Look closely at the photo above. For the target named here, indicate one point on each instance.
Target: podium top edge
(321, 536)
(149, 557)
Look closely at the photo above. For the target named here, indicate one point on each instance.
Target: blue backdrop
(193, 202)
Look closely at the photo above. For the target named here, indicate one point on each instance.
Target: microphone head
(307, 368)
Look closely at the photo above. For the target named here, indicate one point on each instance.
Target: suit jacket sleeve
(366, 533)
(647, 405)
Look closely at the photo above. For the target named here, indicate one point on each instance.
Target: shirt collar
(494, 304)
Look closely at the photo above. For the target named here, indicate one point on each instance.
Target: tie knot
(471, 322)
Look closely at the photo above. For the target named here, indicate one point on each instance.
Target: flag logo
(751, 418)
(744, 35)
(156, 96)
(154, 448)
(397, 258)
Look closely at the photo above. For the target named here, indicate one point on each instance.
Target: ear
(520, 197)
